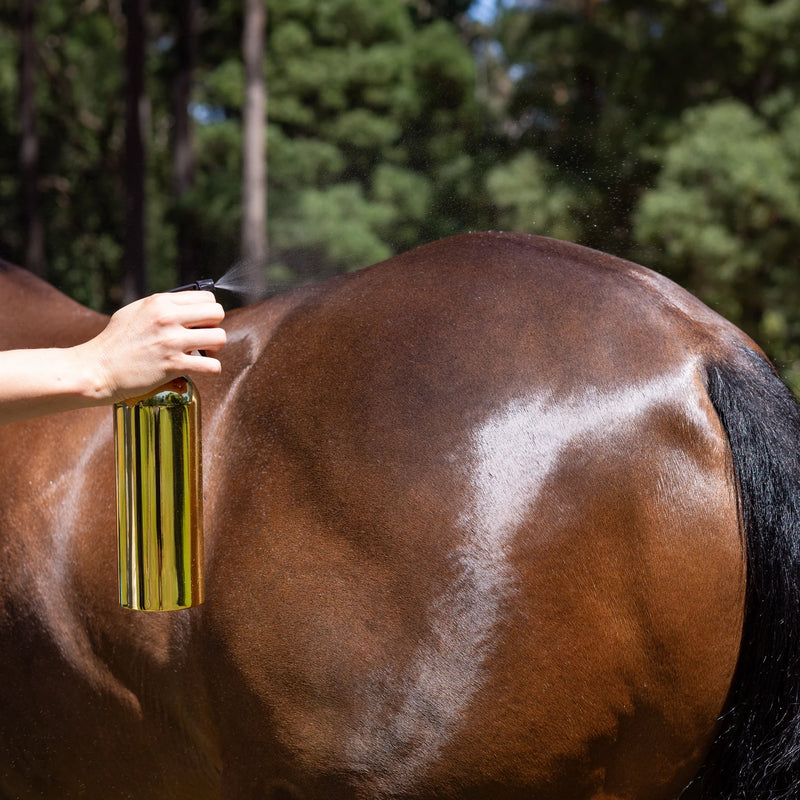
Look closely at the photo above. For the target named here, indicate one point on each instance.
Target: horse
(500, 517)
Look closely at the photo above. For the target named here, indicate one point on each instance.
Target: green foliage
(368, 101)
(724, 219)
(532, 199)
(79, 105)
(10, 220)
(365, 110)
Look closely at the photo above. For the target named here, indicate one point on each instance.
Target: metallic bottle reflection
(159, 498)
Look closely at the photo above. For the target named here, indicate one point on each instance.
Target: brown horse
(502, 517)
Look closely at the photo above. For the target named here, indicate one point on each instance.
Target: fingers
(205, 365)
(203, 339)
(199, 315)
(194, 309)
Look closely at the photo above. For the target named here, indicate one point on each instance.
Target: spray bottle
(160, 495)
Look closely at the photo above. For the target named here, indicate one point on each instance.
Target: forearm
(36, 382)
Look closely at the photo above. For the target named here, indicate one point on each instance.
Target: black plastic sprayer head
(203, 284)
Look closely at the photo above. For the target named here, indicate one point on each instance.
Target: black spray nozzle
(203, 284)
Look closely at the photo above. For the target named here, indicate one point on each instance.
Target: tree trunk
(183, 145)
(254, 179)
(33, 257)
(134, 257)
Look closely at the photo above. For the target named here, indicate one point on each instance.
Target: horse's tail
(756, 755)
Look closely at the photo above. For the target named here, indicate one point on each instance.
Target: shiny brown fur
(471, 532)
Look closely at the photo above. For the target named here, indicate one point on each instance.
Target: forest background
(667, 132)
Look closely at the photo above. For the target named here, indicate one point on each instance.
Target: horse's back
(37, 315)
(473, 532)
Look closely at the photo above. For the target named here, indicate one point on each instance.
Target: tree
(29, 144)
(591, 88)
(135, 270)
(183, 164)
(374, 134)
(254, 181)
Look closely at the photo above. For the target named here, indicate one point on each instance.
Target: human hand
(154, 340)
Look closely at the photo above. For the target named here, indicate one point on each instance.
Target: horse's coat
(472, 532)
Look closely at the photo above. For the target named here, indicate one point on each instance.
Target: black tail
(757, 753)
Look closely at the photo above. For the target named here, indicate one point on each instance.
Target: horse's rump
(471, 532)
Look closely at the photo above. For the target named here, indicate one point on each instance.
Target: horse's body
(471, 532)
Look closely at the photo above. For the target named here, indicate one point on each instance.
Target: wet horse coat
(471, 532)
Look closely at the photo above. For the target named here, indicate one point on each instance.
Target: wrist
(88, 375)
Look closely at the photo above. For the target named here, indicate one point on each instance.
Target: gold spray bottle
(160, 496)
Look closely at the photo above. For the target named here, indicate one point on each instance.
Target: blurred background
(145, 144)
